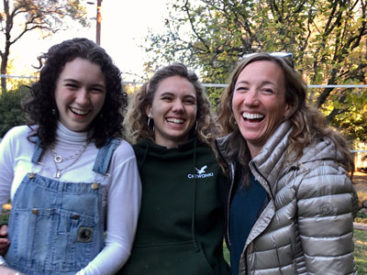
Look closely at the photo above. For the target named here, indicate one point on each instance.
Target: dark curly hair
(41, 106)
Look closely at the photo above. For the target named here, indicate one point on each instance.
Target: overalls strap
(37, 151)
(103, 160)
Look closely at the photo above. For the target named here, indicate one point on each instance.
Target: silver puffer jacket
(307, 226)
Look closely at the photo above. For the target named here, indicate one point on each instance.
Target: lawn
(360, 250)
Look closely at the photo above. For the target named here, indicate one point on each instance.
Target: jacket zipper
(229, 203)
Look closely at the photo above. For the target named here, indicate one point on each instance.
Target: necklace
(57, 158)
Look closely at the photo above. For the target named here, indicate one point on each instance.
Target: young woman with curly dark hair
(68, 173)
(42, 109)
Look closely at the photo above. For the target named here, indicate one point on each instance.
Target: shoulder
(320, 158)
(319, 171)
(124, 149)
(17, 133)
(122, 155)
(321, 178)
(15, 143)
(319, 150)
(222, 143)
(141, 147)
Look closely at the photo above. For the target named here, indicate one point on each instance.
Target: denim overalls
(57, 227)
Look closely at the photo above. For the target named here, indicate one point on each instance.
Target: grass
(360, 250)
(4, 217)
(361, 216)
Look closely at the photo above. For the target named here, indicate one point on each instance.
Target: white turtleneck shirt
(121, 202)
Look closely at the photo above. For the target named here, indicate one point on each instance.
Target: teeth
(79, 112)
(175, 120)
(252, 116)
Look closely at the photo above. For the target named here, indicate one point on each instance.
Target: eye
(268, 91)
(242, 89)
(97, 90)
(166, 98)
(189, 101)
(71, 86)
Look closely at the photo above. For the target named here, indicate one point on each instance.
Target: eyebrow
(262, 83)
(76, 81)
(173, 94)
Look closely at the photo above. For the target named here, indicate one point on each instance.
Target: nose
(251, 98)
(82, 97)
(178, 106)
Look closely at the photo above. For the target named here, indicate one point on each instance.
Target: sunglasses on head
(288, 57)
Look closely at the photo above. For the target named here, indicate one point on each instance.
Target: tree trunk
(4, 63)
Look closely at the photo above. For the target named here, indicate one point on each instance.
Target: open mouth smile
(175, 120)
(79, 112)
(250, 117)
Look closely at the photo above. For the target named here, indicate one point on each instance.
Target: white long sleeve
(122, 202)
(123, 210)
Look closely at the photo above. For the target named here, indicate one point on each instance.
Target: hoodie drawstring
(144, 156)
(193, 228)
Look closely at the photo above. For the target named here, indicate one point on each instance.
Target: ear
(287, 111)
(148, 111)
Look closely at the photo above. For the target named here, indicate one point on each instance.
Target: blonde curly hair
(136, 119)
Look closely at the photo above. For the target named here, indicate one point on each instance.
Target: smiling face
(258, 102)
(173, 111)
(80, 94)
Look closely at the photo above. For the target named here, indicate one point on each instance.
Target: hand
(7, 271)
(4, 241)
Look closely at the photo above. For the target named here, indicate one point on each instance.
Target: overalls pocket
(27, 242)
(77, 239)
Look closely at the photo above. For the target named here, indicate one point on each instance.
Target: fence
(214, 85)
(360, 154)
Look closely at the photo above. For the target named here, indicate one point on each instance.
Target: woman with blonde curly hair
(181, 223)
(291, 199)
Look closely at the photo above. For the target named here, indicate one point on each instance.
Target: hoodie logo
(201, 170)
(200, 173)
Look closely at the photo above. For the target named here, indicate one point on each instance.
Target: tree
(326, 37)
(11, 113)
(19, 17)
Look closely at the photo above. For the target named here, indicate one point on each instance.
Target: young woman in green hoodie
(181, 223)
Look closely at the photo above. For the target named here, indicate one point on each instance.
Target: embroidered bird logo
(201, 170)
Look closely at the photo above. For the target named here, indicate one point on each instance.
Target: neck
(254, 150)
(169, 143)
(64, 135)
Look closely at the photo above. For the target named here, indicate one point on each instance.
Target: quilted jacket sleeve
(325, 204)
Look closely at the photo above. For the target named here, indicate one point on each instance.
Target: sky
(124, 25)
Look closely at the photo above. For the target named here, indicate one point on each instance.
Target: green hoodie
(181, 223)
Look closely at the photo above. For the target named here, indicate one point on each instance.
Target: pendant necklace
(58, 159)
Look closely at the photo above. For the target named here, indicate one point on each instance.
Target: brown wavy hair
(41, 105)
(308, 122)
(136, 120)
